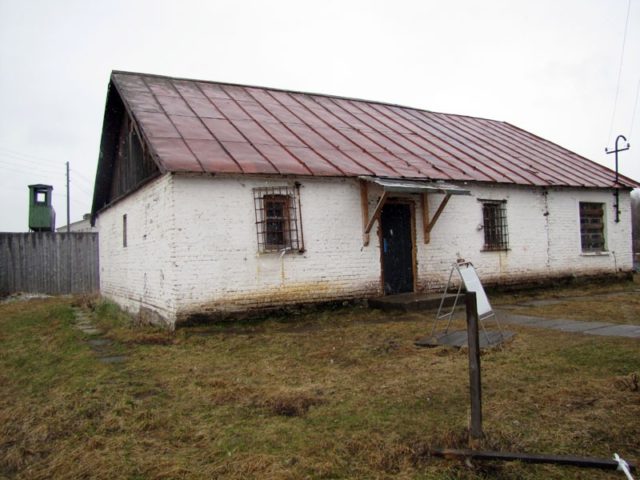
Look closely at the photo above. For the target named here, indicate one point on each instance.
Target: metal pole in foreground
(475, 387)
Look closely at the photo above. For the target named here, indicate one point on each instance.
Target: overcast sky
(550, 67)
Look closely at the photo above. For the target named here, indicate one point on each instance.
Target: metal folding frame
(455, 267)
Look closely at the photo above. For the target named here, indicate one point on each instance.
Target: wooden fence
(50, 263)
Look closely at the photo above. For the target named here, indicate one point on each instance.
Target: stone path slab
(100, 346)
(459, 339)
(581, 327)
(573, 326)
(628, 331)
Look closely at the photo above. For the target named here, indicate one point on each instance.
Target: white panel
(473, 284)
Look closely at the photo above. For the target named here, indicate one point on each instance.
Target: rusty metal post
(617, 192)
(475, 387)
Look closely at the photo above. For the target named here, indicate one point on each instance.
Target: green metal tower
(42, 216)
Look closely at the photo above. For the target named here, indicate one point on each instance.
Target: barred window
(494, 216)
(592, 227)
(276, 219)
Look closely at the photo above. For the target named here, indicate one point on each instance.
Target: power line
(31, 171)
(76, 176)
(32, 168)
(14, 155)
(27, 155)
(624, 41)
(90, 181)
(635, 109)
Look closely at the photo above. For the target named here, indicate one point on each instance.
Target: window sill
(282, 252)
(603, 253)
(489, 250)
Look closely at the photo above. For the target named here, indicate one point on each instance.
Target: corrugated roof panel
(230, 109)
(515, 151)
(257, 112)
(456, 149)
(282, 114)
(195, 125)
(187, 89)
(145, 102)
(223, 130)
(283, 135)
(483, 150)
(212, 157)
(157, 125)
(191, 128)
(286, 161)
(174, 105)
(175, 156)
(249, 159)
(376, 163)
(309, 136)
(568, 170)
(130, 83)
(314, 162)
(345, 164)
(212, 90)
(253, 132)
(161, 86)
(203, 107)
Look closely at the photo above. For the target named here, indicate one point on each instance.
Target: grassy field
(339, 393)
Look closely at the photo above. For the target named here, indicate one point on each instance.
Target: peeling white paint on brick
(191, 243)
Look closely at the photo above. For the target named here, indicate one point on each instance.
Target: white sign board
(472, 284)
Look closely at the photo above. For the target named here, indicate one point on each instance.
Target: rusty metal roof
(200, 126)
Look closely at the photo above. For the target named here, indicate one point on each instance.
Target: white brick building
(213, 198)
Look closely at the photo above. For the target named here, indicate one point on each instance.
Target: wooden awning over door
(405, 186)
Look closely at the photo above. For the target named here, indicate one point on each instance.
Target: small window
(276, 219)
(124, 230)
(592, 227)
(41, 197)
(494, 217)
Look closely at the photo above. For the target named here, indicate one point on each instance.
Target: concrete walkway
(574, 326)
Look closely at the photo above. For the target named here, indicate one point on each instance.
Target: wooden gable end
(125, 162)
(132, 164)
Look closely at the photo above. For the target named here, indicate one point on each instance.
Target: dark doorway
(397, 248)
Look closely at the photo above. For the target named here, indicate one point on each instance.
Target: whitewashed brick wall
(218, 266)
(192, 244)
(544, 235)
(140, 274)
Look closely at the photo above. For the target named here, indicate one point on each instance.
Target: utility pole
(617, 193)
(69, 250)
(68, 208)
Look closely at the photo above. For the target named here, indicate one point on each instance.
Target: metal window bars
(276, 219)
(592, 227)
(494, 216)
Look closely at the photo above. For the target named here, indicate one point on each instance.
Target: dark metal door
(397, 248)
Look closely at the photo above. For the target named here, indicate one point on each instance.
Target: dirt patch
(289, 404)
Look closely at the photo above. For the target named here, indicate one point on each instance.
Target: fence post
(475, 387)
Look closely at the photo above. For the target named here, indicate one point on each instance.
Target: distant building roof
(201, 126)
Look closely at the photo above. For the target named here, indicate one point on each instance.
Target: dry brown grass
(334, 394)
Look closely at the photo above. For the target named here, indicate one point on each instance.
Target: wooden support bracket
(374, 216)
(364, 205)
(428, 225)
